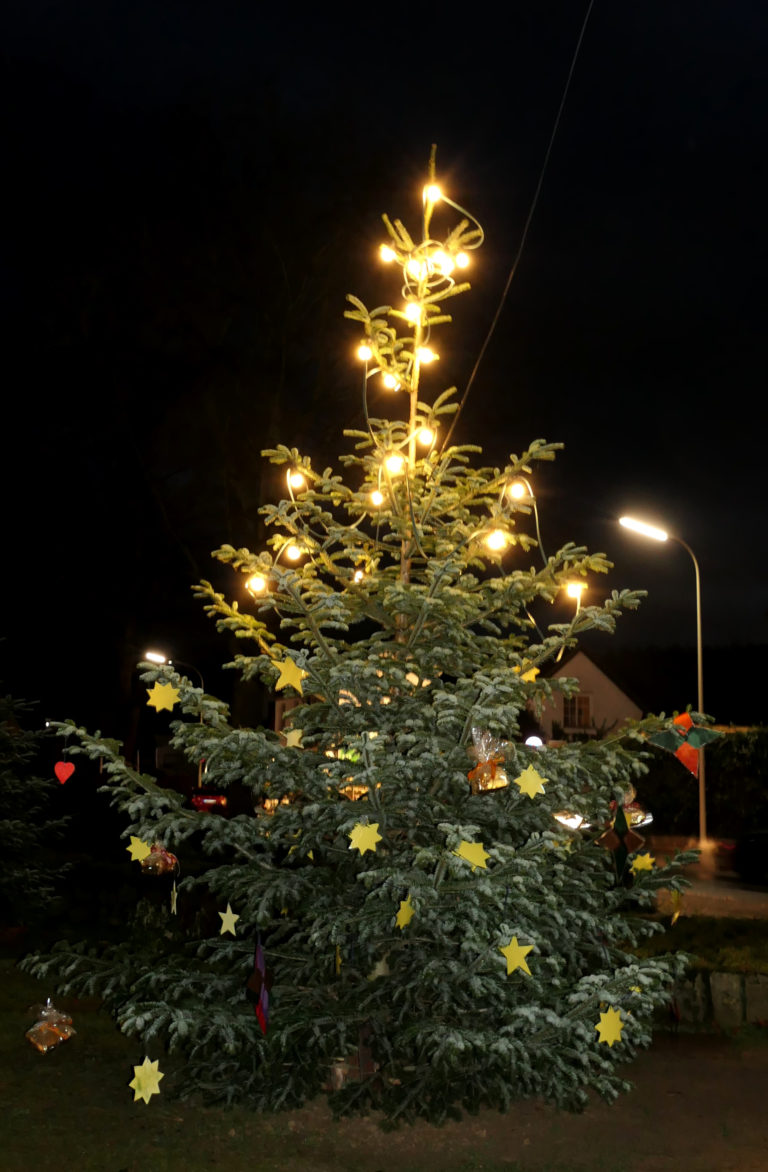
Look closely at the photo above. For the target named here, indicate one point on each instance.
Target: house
(598, 707)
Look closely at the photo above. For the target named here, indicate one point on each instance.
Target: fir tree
(30, 872)
(429, 935)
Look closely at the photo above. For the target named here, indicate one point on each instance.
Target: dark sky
(153, 149)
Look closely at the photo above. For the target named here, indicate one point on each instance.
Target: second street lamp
(656, 534)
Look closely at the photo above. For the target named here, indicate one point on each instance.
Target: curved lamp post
(656, 534)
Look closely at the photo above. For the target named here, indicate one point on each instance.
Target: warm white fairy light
(387, 254)
(377, 498)
(425, 355)
(394, 463)
(358, 576)
(364, 353)
(442, 261)
(575, 589)
(296, 479)
(432, 193)
(256, 584)
(497, 540)
(413, 311)
(518, 490)
(390, 382)
(425, 436)
(293, 552)
(462, 260)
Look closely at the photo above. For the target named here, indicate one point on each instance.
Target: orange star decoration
(474, 854)
(530, 782)
(146, 1080)
(610, 1026)
(162, 696)
(515, 954)
(364, 836)
(228, 921)
(137, 849)
(291, 675)
(642, 863)
(406, 913)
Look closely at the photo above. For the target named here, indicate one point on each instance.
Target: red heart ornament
(63, 770)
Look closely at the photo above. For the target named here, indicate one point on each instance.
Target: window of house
(577, 711)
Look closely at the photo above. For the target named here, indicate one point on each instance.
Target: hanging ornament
(51, 1028)
(228, 921)
(174, 898)
(515, 955)
(685, 740)
(610, 1026)
(146, 1080)
(530, 782)
(473, 853)
(642, 862)
(138, 849)
(364, 837)
(291, 675)
(63, 771)
(489, 773)
(621, 841)
(258, 986)
(159, 861)
(162, 696)
(405, 913)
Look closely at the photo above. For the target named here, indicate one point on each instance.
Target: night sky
(193, 189)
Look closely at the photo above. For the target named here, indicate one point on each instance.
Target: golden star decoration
(642, 862)
(228, 921)
(291, 675)
(292, 738)
(474, 854)
(138, 849)
(162, 696)
(146, 1080)
(515, 955)
(406, 913)
(530, 782)
(364, 836)
(610, 1026)
(528, 673)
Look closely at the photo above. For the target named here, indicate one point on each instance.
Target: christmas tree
(30, 870)
(420, 913)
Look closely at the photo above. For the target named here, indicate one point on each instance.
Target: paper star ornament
(515, 955)
(291, 675)
(530, 782)
(228, 921)
(527, 674)
(474, 854)
(610, 1026)
(292, 738)
(162, 696)
(642, 862)
(364, 836)
(137, 849)
(406, 913)
(146, 1080)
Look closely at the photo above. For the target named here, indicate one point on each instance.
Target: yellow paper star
(364, 837)
(516, 954)
(146, 1080)
(530, 782)
(137, 849)
(291, 675)
(292, 738)
(162, 696)
(473, 852)
(610, 1026)
(642, 863)
(406, 913)
(228, 921)
(528, 675)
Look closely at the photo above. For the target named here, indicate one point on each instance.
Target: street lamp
(656, 534)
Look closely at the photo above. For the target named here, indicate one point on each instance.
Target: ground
(698, 1106)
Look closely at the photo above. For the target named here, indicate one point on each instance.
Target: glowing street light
(656, 534)
(158, 657)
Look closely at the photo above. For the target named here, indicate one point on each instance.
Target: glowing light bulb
(497, 540)
(390, 382)
(387, 254)
(413, 311)
(462, 260)
(358, 576)
(364, 353)
(296, 479)
(432, 193)
(575, 589)
(293, 552)
(426, 436)
(416, 269)
(156, 657)
(442, 261)
(377, 498)
(518, 490)
(394, 463)
(256, 584)
(425, 355)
